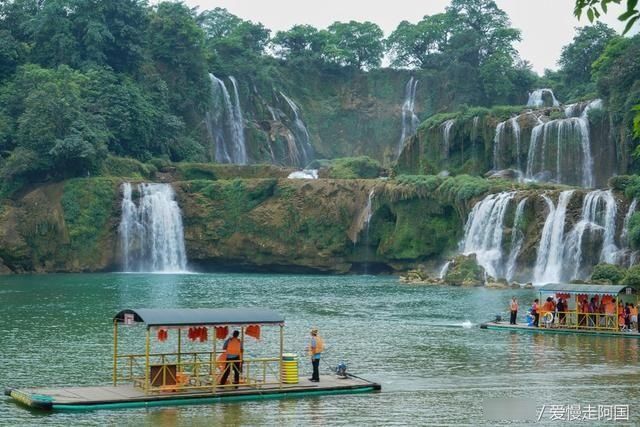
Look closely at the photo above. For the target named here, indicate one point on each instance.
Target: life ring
(547, 318)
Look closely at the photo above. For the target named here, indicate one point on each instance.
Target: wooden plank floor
(129, 393)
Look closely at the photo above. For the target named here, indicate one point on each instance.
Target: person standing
(513, 307)
(233, 347)
(316, 347)
(535, 311)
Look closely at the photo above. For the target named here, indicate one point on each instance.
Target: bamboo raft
(129, 396)
(192, 376)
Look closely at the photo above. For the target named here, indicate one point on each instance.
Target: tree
(357, 44)
(301, 42)
(177, 45)
(54, 122)
(419, 45)
(578, 56)
(631, 14)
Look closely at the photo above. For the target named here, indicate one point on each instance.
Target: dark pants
(316, 369)
(514, 315)
(536, 319)
(232, 363)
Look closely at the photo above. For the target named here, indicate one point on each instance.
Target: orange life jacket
(234, 347)
(319, 346)
(514, 306)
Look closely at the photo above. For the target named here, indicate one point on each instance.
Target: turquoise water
(56, 330)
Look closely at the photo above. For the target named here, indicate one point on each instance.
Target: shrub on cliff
(632, 278)
(354, 167)
(607, 272)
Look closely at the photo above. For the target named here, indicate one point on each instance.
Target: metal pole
(179, 348)
(146, 371)
(281, 351)
(215, 366)
(115, 352)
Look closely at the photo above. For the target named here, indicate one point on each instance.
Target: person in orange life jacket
(316, 347)
(513, 308)
(233, 347)
(535, 312)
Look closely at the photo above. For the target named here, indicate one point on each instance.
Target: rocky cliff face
(265, 224)
(329, 225)
(292, 117)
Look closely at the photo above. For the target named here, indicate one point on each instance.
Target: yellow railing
(174, 372)
(578, 320)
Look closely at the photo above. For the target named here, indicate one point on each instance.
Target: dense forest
(84, 80)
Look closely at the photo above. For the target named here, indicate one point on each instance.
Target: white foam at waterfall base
(304, 174)
(484, 231)
(151, 232)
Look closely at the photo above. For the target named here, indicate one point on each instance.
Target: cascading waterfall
(238, 125)
(225, 124)
(515, 128)
(410, 121)
(549, 261)
(597, 219)
(444, 269)
(557, 146)
(499, 136)
(484, 232)
(536, 98)
(302, 139)
(151, 233)
(624, 236)
(517, 239)
(446, 136)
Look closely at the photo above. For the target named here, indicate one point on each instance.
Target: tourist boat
(191, 372)
(574, 320)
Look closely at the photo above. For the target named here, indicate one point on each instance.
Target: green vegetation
(632, 278)
(608, 273)
(87, 207)
(354, 167)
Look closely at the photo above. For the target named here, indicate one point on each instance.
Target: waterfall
(364, 218)
(238, 127)
(225, 124)
(499, 136)
(571, 161)
(515, 128)
(598, 216)
(484, 232)
(444, 269)
(409, 119)
(151, 233)
(302, 139)
(474, 127)
(517, 239)
(624, 236)
(446, 137)
(549, 261)
(536, 98)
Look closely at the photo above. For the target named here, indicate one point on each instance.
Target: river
(56, 330)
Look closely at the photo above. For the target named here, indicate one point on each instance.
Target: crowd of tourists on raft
(591, 312)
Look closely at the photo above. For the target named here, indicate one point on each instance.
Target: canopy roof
(572, 288)
(202, 316)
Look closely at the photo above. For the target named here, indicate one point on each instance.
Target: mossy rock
(464, 270)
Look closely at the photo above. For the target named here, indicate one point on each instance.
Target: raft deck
(128, 396)
(558, 330)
